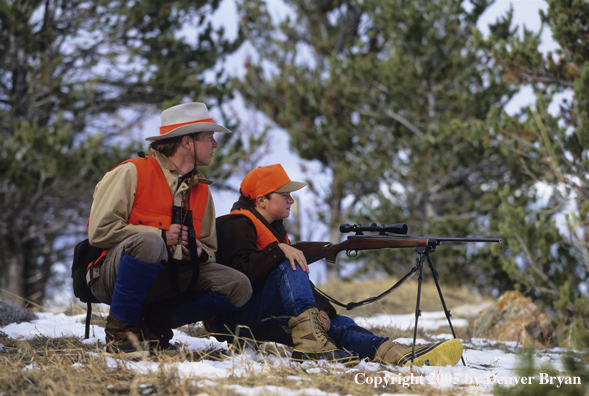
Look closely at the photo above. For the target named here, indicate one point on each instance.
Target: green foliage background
(76, 79)
(401, 103)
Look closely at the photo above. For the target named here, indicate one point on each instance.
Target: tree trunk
(335, 215)
(332, 270)
(11, 280)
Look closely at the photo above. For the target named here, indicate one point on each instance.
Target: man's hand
(293, 254)
(176, 236)
(177, 233)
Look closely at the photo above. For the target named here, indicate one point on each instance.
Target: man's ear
(186, 141)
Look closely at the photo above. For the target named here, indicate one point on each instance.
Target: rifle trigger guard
(352, 253)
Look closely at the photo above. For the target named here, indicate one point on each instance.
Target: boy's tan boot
(442, 353)
(311, 341)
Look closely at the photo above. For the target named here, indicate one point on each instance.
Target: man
(155, 219)
(252, 239)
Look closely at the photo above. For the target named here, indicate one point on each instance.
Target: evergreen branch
(399, 118)
(581, 245)
(532, 262)
(527, 170)
(547, 144)
(545, 79)
(535, 287)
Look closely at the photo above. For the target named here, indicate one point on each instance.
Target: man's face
(205, 148)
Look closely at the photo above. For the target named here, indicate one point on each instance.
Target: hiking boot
(442, 353)
(311, 341)
(164, 348)
(158, 333)
(124, 339)
(159, 343)
(216, 328)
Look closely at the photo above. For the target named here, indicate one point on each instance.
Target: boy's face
(278, 206)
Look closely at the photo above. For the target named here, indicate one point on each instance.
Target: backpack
(84, 254)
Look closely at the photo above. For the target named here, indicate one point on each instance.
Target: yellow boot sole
(333, 356)
(442, 353)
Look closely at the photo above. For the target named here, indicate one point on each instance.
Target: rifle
(389, 237)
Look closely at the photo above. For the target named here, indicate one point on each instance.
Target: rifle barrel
(434, 240)
(465, 240)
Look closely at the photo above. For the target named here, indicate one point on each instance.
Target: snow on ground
(427, 321)
(487, 362)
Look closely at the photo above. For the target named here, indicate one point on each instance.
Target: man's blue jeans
(288, 293)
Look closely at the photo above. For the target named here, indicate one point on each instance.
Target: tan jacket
(113, 201)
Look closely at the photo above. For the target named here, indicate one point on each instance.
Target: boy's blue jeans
(288, 293)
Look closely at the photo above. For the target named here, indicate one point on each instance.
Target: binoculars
(181, 215)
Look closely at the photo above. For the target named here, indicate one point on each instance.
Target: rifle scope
(380, 228)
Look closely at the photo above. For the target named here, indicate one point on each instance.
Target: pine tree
(76, 77)
(430, 91)
(313, 97)
(391, 98)
(549, 261)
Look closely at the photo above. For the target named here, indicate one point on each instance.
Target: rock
(12, 313)
(470, 311)
(514, 318)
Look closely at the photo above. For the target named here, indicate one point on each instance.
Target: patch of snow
(487, 362)
(427, 321)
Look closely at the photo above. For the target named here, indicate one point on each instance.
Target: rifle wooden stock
(315, 251)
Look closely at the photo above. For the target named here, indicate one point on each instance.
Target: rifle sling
(175, 269)
(369, 300)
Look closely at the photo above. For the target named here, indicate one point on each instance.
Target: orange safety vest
(265, 236)
(154, 200)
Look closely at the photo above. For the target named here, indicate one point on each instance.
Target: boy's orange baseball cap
(266, 179)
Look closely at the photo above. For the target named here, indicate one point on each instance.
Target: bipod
(424, 254)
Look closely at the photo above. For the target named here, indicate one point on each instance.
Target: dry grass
(67, 366)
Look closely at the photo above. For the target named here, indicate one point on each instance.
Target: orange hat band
(167, 128)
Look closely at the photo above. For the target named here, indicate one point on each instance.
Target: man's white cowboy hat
(186, 118)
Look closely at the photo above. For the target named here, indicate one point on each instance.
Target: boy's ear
(260, 201)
